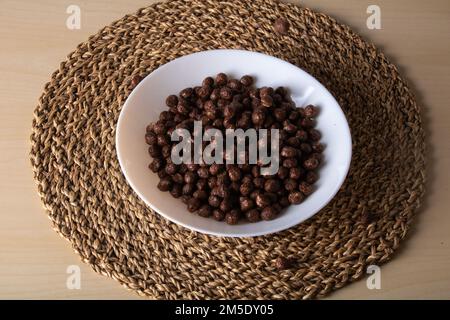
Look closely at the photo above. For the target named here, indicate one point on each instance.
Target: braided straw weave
(90, 203)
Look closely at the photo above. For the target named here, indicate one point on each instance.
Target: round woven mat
(90, 203)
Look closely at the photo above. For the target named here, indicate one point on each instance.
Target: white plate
(148, 99)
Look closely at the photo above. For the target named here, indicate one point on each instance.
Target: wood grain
(34, 39)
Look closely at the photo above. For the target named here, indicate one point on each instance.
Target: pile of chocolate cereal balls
(231, 192)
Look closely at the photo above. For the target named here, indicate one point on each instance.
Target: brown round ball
(311, 163)
(208, 82)
(247, 80)
(200, 194)
(188, 189)
(289, 152)
(281, 26)
(176, 191)
(295, 197)
(246, 188)
(246, 204)
(262, 200)
(258, 116)
(165, 184)
(178, 178)
(221, 79)
(172, 101)
(232, 217)
(305, 188)
(225, 205)
(267, 101)
(202, 184)
(203, 173)
(290, 163)
(283, 173)
(171, 168)
(234, 173)
(252, 215)
(282, 263)
(311, 177)
(205, 211)
(218, 215)
(311, 111)
(193, 205)
(268, 213)
(272, 185)
(295, 173)
(150, 138)
(214, 201)
(190, 177)
(226, 93)
(290, 184)
(156, 165)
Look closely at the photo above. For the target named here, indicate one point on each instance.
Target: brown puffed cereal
(165, 184)
(214, 201)
(247, 81)
(221, 79)
(267, 101)
(272, 185)
(246, 204)
(268, 213)
(305, 188)
(246, 188)
(205, 211)
(218, 215)
(282, 263)
(156, 165)
(226, 93)
(193, 204)
(311, 163)
(233, 191)
(258, 116)
(295, 197)
(253, 215)
(234, 173)
(262, 200)
(311, 111)
(281, 26)
(295, 173)
(290, 184)
(225, 205)
(235, 85)
(176, 191)
(311, 177)
(289, 152)
(232, 217)
(190, 177)
(208, 82)
(203, 173)
(188, 189)
(186, 93)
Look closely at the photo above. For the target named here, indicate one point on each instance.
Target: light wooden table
(34, 39)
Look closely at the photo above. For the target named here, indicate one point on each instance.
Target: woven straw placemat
(90, 203)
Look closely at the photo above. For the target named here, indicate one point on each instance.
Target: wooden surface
(34, 39)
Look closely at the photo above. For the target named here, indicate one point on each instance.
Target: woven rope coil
(90, 204)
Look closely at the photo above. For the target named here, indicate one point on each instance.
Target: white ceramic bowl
(148, 99)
